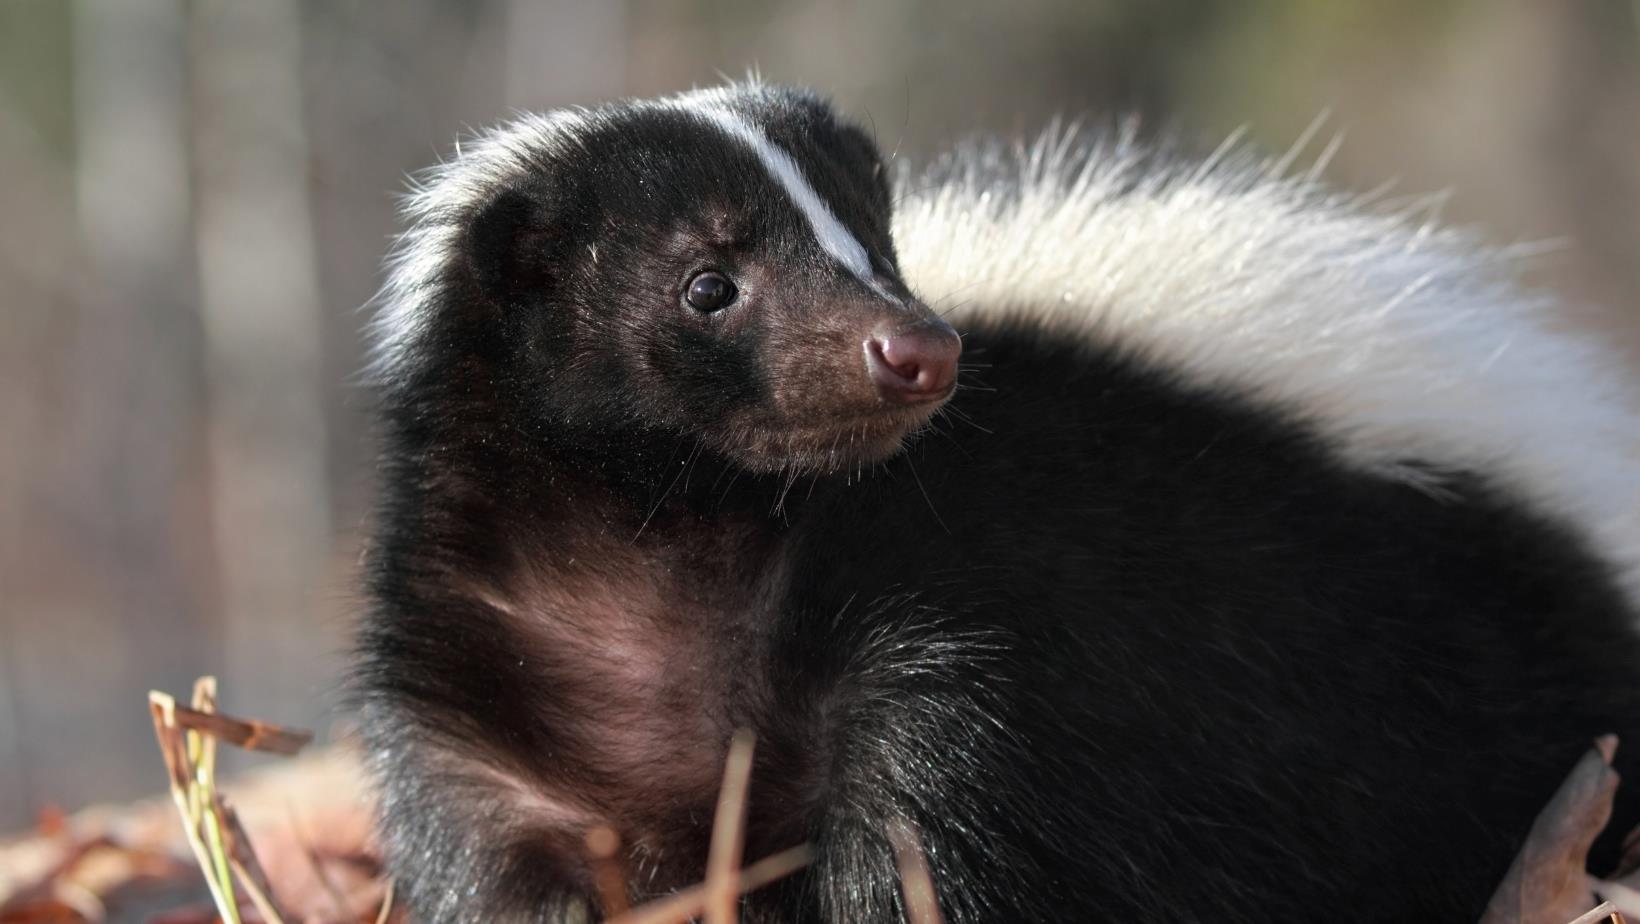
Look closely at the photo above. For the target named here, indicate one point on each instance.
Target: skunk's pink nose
(915, 364)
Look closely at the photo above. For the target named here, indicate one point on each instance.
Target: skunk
(1251, 551)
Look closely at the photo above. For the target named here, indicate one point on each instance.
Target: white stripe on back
(834, 238)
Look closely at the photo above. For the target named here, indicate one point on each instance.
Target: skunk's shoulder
(1406, 346)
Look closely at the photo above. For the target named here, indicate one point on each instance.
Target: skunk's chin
(831, 446)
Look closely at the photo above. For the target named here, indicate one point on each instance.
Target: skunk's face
(718, 266)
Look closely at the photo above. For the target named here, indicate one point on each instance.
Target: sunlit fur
(436, 213)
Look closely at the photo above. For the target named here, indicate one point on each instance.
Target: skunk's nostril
(903, 362)
(915, 364)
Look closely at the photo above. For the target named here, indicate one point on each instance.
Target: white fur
(833, 236)
(441, 202)
(444, 197)
(1396, 340)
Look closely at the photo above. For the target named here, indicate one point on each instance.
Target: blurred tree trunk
(1588, 149)
(564, 52)
(37, 262)
(270, 503)
(102, 600)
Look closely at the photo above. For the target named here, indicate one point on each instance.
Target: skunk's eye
(709, 291)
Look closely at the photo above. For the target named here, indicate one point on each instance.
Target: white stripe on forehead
(834, 238)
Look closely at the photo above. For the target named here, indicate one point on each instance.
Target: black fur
(1118, 647)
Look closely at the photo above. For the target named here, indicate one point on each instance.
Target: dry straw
(188, 736)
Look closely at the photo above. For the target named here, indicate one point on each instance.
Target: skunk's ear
(511, 243)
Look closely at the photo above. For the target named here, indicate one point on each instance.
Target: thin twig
(1605, 911)
(686, 904)
(729, 831)
(202, 797)
(916, 884)
(163, 707)
(247, 734)
(247, 868)
(387, 904)
(188, 740)
(602, 845)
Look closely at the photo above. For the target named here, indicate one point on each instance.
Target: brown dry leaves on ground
(314, 860)
(317, 865)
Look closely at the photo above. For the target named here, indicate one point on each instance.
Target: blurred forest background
(195, 197)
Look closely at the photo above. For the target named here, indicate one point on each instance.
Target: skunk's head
(717, 265)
